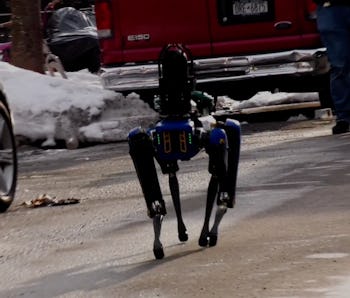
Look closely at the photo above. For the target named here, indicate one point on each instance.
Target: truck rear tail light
(103, 18)
(311, 10)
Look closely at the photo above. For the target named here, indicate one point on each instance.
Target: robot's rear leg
(209, 238)
(223, 151)
(220, 212)
(204, 239)
(175, 194)
(233, 132)
(227, 192)
(142, 154)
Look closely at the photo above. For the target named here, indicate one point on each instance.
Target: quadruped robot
(180, 135)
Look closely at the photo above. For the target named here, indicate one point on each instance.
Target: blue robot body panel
(135, 131)
(175, 139)
(218, 137)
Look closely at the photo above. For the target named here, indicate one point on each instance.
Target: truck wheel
(8, 159)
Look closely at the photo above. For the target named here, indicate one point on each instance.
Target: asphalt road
(288, 235)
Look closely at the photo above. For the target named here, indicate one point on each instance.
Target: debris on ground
(45, 200)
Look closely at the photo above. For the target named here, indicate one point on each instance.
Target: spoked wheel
(8, 159)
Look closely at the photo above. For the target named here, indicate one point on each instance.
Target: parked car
(8, 155)
(239, 46)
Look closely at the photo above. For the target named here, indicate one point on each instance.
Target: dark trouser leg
(334, 26)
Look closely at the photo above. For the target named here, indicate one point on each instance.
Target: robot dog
(180, 135)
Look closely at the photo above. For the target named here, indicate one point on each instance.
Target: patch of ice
(328, 256)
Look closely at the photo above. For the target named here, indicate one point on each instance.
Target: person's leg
(334, 26)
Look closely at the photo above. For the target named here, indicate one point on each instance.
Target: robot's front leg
(142, 153)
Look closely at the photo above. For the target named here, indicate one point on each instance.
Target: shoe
(340, 127)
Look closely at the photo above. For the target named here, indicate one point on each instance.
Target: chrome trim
(104, 33)
(222, 69)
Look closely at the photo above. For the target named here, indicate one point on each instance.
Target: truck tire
(8, 158)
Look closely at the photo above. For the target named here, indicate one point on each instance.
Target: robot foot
(208, 239)
(158, 250)
(213, 239)
(203, 241)
(204, 238)
(182, 233)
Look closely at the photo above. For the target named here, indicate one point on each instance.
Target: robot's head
(176, 80)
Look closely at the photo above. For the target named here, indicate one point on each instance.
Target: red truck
(239, 47)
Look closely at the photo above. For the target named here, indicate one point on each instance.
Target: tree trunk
(27, 39)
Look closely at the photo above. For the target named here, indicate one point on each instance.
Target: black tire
(8, 158)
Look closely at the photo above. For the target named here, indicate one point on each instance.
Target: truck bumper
(299, 63)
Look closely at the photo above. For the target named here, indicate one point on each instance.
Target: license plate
(250, 7)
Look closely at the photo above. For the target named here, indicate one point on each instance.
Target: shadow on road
(89, 277)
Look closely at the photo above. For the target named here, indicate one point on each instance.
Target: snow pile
(78, 109)
(265, 98)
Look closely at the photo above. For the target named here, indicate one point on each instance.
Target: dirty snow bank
(77, 109)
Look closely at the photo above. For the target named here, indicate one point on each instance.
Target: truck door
(146, 26)
(254, 26)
